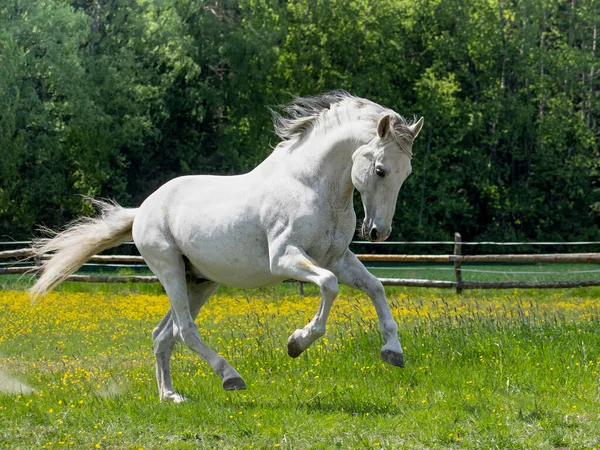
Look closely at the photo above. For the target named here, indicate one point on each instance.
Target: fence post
(301, 288)
(457, 271)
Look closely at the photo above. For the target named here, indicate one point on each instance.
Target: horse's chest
(312, 220)
(330, 247)
(332, 238)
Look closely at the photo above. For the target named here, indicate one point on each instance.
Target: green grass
(503, 369)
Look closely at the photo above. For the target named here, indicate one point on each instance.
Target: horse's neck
(324, 158)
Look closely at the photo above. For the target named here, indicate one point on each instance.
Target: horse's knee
(375, 290)
(329, 285)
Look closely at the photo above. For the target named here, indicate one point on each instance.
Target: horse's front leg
(351, 272)
(293, 262)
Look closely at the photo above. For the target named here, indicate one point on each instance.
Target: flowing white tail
(81, 240)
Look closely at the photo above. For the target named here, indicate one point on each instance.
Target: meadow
(485, 369)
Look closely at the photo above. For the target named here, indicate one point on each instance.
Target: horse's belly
(235, 274)
(241, 263)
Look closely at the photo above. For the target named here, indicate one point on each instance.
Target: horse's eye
(380, 172)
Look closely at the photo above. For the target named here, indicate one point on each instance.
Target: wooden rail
(385, 281)
(17, 270)
(26, 253)
(455, 259)
(16, 254)
(488, 285)
(509, 258)
(531, 259)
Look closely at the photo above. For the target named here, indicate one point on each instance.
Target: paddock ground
(485, 369)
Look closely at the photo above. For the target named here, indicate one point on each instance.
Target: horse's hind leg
(164, 340)
(169, 267)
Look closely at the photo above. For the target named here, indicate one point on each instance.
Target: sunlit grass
(505, 369)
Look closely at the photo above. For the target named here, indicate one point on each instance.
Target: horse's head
(378, 170)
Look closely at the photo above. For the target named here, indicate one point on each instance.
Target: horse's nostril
(374, 234)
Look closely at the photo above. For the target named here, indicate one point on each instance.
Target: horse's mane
(303, 113)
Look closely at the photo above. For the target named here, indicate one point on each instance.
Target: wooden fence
(456, 259)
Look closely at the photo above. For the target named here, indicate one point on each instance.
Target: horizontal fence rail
(509, 258)
(555, 243)
(488, 285)
(533, 259)
(26, 255)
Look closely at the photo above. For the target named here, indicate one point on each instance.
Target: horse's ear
(416, 127)
(383, 127)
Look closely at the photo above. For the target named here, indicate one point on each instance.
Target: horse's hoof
(393, 358)
(293, 348)
(174, 397)
(234, 384)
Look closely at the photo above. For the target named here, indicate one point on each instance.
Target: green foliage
(114, 97)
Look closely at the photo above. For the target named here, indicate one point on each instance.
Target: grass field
(493, 369)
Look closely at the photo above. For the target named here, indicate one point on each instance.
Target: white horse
(290, 217)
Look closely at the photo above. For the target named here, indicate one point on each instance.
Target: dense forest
(111, 98)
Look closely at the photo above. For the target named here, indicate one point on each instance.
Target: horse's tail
(64, 252)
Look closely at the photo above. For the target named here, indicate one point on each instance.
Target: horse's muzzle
(372, 233)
